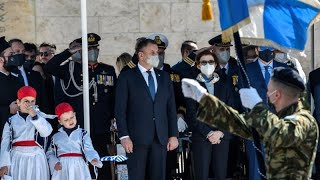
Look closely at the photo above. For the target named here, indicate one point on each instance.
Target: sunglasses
(211, 62)
(262, 48)
(45, 54)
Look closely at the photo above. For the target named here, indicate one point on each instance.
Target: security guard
(290, 135)
(102, 80)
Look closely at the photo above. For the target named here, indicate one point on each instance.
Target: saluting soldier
(102, 80)
(290, 135)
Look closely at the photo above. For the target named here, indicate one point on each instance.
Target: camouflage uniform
(290, 136)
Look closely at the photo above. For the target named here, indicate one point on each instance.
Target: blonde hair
(123, 60)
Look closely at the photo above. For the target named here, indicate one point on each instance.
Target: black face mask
(266, 55)
(28, 64)
(16, 60)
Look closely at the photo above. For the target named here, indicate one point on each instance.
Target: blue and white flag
(117, 158)
(277, 23)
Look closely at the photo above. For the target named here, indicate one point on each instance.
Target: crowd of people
(152, 108)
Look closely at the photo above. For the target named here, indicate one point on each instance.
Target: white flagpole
(86, 108)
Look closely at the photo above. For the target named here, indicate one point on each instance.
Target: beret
(288, 76)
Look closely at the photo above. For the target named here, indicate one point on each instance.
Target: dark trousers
(205, 153)
(147, 161)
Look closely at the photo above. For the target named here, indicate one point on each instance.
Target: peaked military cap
(160, 39)
(217, 41)
(93, 39)
(289, 77)
(3, 44)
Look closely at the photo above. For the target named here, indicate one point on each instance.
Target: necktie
(223, 73)
(152, 88)
(267, 75)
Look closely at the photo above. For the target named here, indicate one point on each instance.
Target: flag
(277, 23)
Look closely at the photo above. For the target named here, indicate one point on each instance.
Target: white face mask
(153, 61)
(280, 57)
(223, 57)
(207, 69)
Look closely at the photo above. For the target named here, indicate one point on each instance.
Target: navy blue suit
(258, 82)
(148, 123)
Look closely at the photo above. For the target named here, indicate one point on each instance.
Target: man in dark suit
(28, 76)
(259, 73)
(146, 114)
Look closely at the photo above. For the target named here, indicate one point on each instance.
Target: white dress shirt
(145, 76)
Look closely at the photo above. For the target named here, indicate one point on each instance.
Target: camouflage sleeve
(292, 130)
(216, 113)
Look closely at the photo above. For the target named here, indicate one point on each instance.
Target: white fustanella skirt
(73, 168)
(29, 163)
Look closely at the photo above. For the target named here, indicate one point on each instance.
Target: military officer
(102, 79)
(290, 135)
(230, 82)
(183, 67)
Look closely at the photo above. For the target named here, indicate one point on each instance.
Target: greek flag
(277, 23)
(117, 158)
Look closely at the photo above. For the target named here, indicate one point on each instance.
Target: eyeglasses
(211, 62)
(45, 54)
(262, 48)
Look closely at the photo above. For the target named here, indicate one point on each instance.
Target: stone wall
(118, 22)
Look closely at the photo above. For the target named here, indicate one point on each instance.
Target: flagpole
(85, 76)
(312, 48)
(256, 137)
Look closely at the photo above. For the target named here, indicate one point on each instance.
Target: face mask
(28, 64)
(266, 55)
(270, 103)
(161, 60)
(280, 57)
(76, 56)
(16, 60)
(153, 61)
(93, 55)
(223, 57)
(207, 69)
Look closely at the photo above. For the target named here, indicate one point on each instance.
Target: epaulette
(131, 65)
(188, 61)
